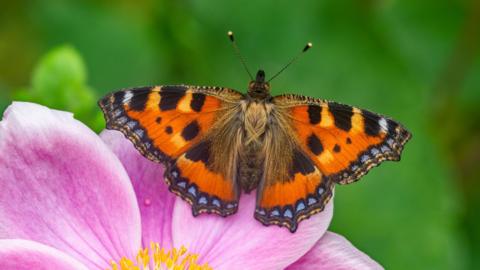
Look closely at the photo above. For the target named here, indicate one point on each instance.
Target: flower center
(159, 259)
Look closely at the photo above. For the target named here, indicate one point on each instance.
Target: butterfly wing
(170, 124)
(285, 201)
(332, 143)
(343, 141)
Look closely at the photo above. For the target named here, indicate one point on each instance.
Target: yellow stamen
(160, 259)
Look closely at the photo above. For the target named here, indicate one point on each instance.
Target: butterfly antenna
(308, 46)
(237, 51)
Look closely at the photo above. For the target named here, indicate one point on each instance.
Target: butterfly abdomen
(250, 167)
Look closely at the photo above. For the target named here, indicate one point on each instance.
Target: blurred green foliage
(416, 61)
(59, 81)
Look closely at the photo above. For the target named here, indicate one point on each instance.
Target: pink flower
(73, 200)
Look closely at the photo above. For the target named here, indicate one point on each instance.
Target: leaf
(60, 81)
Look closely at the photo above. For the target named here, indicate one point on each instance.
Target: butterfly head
(259, 88)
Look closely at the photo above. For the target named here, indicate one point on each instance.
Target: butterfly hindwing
(192, 177)
(343, 141)
(169, 124)
(286, 202)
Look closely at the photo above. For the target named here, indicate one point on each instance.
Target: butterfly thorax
(259, 89)
(255, 120)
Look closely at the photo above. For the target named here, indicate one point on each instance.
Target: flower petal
(335, 252)
(63, 187)
(241, 242)
(155, 201)
(23, 254)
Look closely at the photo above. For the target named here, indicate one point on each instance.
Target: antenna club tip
(230, 35)
(308, 46)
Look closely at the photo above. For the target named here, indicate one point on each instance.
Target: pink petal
(24, 254)
(155, 201)
(63, 187)
(335, 252)
(241, 242)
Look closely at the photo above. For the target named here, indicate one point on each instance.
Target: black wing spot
(349, 141)
(158, 120)
(169, 130)
(314, 144)
(139, 98)
(197, 101)
(314, 114)
(191, 131)
(342, 114)
(170, 96)
(371, 123)
(200, 152)
(301, 164)
(336, 148)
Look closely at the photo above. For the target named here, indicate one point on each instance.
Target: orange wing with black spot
(335, 143)
(344, 142)
(169, 124)
(192, 178)
(286, 202)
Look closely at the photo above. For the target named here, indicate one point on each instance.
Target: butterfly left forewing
(170, 124)
(343, 141)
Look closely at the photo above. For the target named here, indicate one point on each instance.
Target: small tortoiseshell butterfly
(217, 142)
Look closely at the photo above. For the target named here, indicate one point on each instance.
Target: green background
(416, 61)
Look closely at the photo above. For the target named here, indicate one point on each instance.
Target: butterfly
(216, 143)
